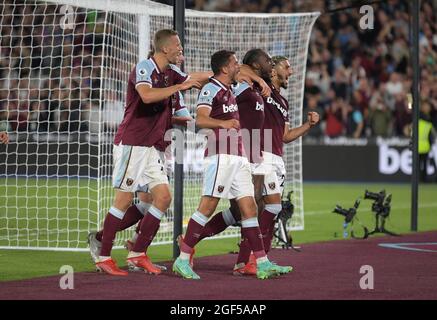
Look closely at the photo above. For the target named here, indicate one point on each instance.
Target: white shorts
(137, 168)
(227, 176)
(260, 169)
(168, 168)
(274, 179)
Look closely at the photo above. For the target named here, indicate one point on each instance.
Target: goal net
(63, 76)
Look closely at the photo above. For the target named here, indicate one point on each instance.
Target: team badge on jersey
(220, 189)
(272, 186)
(206, 93)
(129, 182)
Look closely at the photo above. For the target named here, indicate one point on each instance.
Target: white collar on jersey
(219, 83)
(156, 66)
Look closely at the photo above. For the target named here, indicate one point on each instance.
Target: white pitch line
(406, 246)
(319, 212)
(21, 236)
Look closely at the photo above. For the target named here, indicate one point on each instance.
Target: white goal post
(64, 66)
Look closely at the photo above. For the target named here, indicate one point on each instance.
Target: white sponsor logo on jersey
(230, 108)
(259, 106)
(278, 106)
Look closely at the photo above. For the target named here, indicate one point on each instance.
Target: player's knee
(121, 206)
(252, 206)
(122, 201)
(249, 210)
(163, 200)
(207, 206)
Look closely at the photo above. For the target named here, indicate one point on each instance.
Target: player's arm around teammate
(251, 117)
(150, 95)
(249, 75)
(227, 175)
(137, 160)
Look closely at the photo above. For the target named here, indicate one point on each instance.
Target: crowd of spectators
(48, 73)
(358, 80)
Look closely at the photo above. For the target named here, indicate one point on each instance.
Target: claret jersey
(145, 124)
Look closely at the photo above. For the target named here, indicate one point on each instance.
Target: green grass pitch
(320, 223)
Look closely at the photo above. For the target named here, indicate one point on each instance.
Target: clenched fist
(313, 118)
(231, 124)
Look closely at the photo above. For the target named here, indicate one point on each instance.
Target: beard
(284, 82)
(266, 76)
(234, 77)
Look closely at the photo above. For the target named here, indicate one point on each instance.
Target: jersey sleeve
(178, 75)
(180, 108)
(143, 73)
(206, 97)
(182, 113)
(239, 88)
(180, 103)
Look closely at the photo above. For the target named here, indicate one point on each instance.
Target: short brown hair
(252, 56)
(161, 38)
(278, 59)
(219, 60)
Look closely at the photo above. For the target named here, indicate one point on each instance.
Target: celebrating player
(226, 169)
(137, 211)
(276, 120)
(273, 169)
(251, 111)
(137, 161)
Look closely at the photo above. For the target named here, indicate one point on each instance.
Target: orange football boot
(109, 266)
